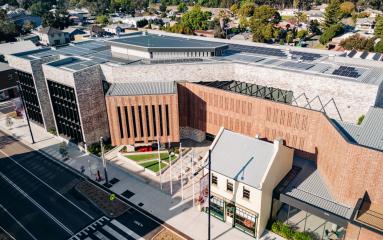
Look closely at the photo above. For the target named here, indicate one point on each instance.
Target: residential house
(50, 36)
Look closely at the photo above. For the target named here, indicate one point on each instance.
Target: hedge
(286, 231)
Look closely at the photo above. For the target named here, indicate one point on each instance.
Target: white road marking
(17, 221)
(112, 232)
(100, 236)
(47, 185)
(125, 229)
(36, 204)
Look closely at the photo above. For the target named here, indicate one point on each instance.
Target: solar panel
(377, 56)
(346, 71)
(297, 65)
(352, 53)
(233, 48)
(364, 55)
(306, 56)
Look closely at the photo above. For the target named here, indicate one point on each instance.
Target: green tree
(102, 19)
(234, 8)
(301, 34)
(246, 9)
(28, 26)
(182, 7)
(314, 27)
(330, 33)
(8, 30)
(332, 14)
(196, 19)
(39, 8)
(378, 31)
(267, 14)
(379, 47)
(163, 7)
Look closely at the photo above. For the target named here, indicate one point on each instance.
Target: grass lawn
(153, 166)
(149, 156)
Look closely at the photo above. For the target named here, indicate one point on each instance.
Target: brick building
(144, 86)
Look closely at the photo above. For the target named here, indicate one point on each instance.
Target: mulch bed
(101, 199)
(166, 234)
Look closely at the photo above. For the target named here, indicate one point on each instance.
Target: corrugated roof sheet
(242, 158)
(142, 88)
(309, 187)
(369, 133)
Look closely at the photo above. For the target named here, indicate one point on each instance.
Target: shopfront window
(303, 221)
(245, 221)
(217, 208)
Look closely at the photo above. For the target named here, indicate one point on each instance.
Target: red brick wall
(356, 233)
(112, 102)
(348, 169)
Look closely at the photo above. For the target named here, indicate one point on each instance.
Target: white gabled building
(245, 171)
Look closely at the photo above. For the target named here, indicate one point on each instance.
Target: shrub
(360, 120)
(287, 232)
(52, 131)
(379, 47)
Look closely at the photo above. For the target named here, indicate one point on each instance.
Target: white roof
(16, 47)
(242, 158)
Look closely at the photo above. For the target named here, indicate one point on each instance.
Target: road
(38, 201)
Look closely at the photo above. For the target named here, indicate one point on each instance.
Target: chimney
(278, 143)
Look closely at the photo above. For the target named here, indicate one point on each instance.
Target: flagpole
(192, 167)
(170, 172)
(159, 161)
(182, 176)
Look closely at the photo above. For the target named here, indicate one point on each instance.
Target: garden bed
(166, 234)
(101, 199)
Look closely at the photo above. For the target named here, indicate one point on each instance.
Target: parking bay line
(47, 184)
(36, 204)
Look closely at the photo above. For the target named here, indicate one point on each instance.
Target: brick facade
(347, 168)
(145, 103)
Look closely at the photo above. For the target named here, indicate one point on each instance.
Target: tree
(378, 31)
(358, 42)
(301, 34)
(63, 150)
(39, 8)
(163, 7)
(314, 27)
(8, 30)
(289, 37)
(267, 14)
(347, 8)
(28, 26)
(247, 9)
(332, 14)
(102, 19)
(196, 19)
(182, 7)
(301, 17)
(330, 33)
(379, 47)
(234, 8)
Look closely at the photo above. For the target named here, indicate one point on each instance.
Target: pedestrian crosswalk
(106, 229)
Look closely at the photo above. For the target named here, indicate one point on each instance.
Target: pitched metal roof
(242, 158)
(142, 88)
(309, 187)
(369, 133)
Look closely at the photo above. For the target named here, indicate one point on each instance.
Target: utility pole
(209, 166)
(25, 110)
(104, 162)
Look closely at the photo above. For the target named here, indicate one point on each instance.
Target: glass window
(214, 179)
(245, 221)
(246, 193)
(229, 186)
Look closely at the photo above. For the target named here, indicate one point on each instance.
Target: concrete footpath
(139, 190)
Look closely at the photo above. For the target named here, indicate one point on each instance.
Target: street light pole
(182, 175)
(209, 165)
(104, 162)
(26, 111)
(170, 170)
